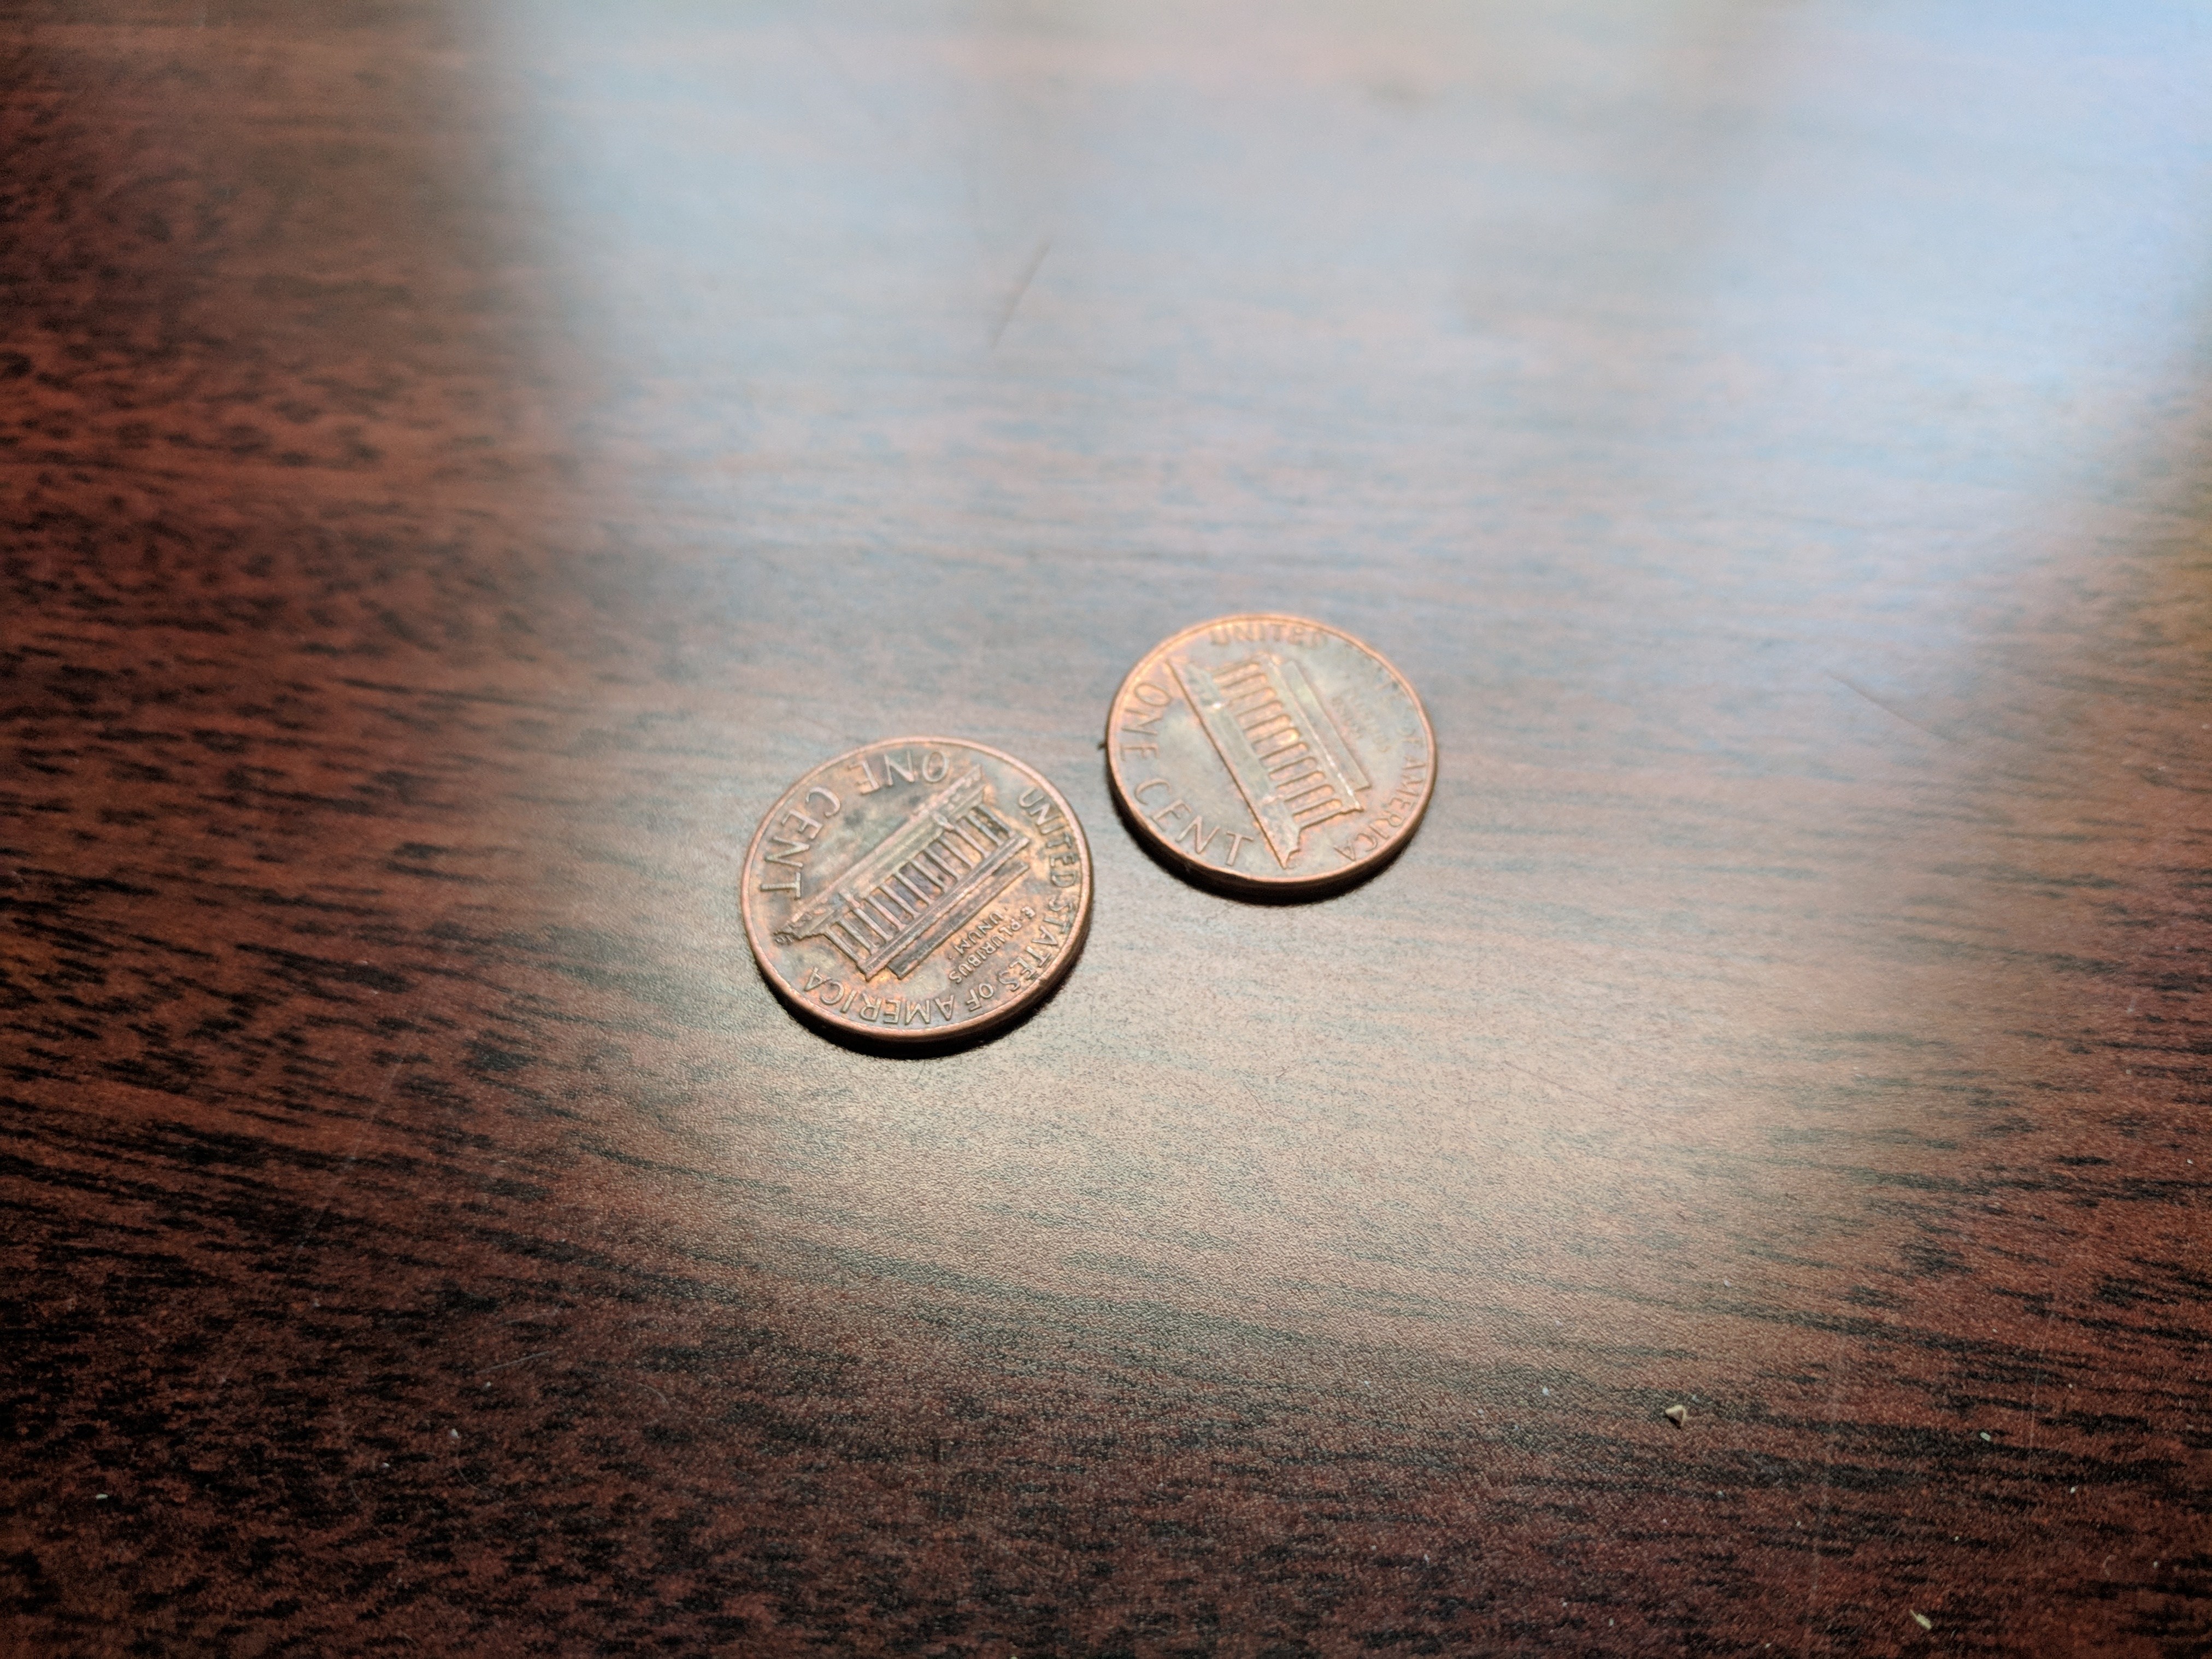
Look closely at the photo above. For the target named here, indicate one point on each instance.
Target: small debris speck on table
(1923, 1621)
(1678, 1415)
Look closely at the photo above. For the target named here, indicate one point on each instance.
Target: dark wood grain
(461, 464)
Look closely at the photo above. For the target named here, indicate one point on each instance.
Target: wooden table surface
(462, 461)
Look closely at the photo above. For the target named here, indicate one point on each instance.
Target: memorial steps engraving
(1294, 770)
(918, 886)
(919, 891)
(1273, 729)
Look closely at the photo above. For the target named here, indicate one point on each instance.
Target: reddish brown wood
(462, 463)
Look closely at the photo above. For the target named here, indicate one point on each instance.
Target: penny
(916, 890)
(1270, 753)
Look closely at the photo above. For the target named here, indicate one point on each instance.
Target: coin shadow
(957, 1041)
(1271, 896)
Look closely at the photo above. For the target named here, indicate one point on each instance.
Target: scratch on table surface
(863, 101)
(1827, 1486)
(353, 1154)
(524, 1359)
(2035, 1369)
(1021, 286)
(1569, 1088)
(1893, 712)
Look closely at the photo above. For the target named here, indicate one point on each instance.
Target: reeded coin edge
(1213, 876)
(942, 1036)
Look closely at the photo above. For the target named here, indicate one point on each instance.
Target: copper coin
(918, 889)
(1269, 753)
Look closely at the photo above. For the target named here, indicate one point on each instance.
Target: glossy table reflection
(464, 461)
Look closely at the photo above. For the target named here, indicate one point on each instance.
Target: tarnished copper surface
(918, 891)
(1270, 753)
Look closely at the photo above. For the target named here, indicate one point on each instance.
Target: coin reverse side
(1269, 753)
(916, 890)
